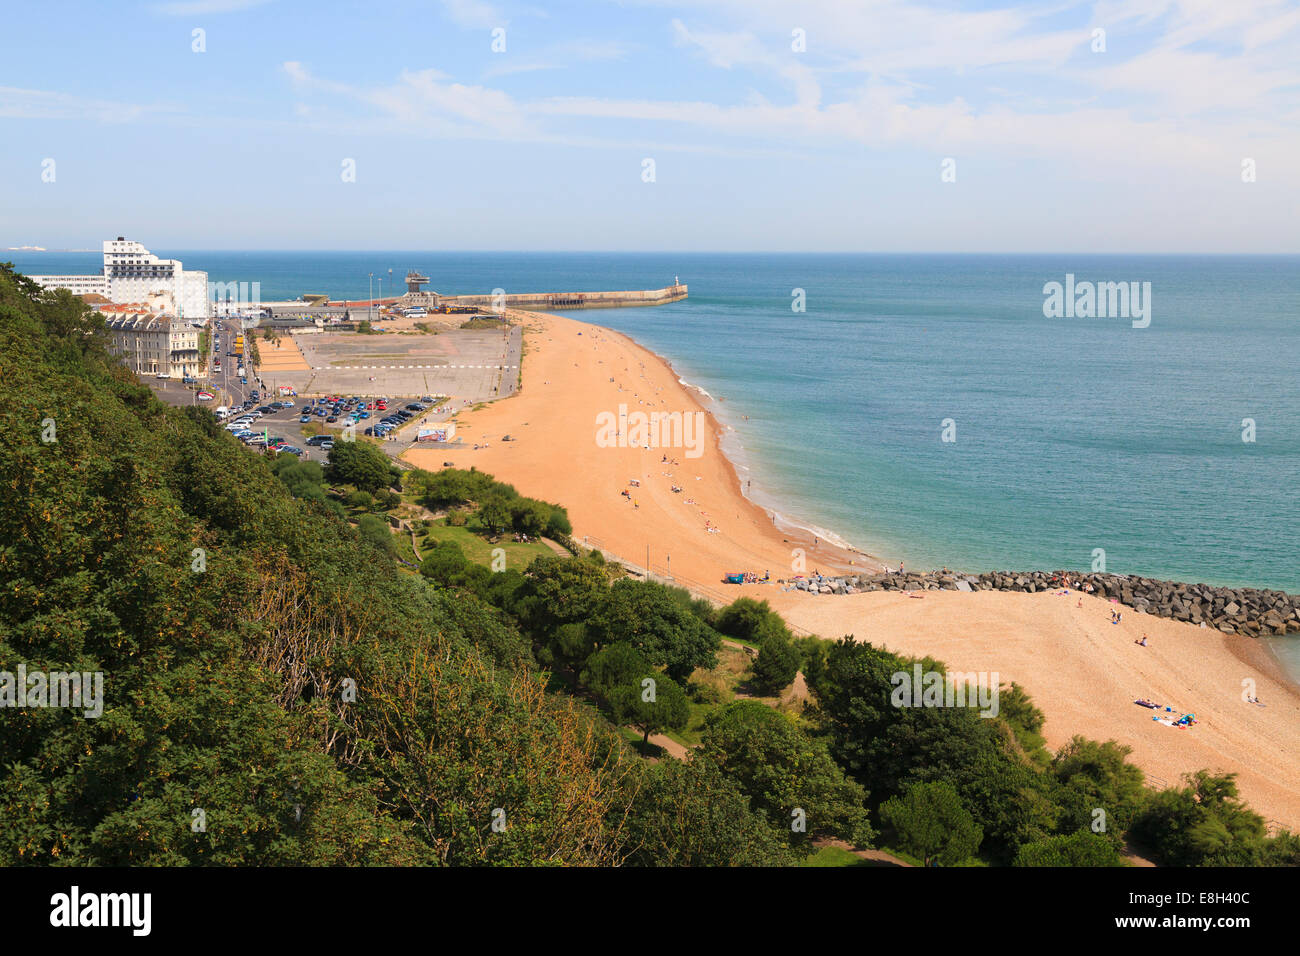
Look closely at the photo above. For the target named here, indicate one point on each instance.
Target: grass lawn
(479, 550)
(725, 679)
(834, 856)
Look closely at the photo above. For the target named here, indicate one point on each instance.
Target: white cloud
(473, 13)
(186, 8)
(18, 103)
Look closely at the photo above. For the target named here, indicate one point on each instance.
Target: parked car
(332, 419)
(317, 439)
(327, 444)
(306, 417)
(291, 450)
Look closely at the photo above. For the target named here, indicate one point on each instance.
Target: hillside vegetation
(278, 690)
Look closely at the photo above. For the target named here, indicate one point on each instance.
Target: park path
(877, 857)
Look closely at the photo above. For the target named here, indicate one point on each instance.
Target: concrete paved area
(473, 365)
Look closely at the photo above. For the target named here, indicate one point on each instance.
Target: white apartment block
(132, 274)
(153, 345)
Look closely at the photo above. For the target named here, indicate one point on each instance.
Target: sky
(731, 125)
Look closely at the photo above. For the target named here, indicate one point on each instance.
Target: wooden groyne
(550, 301)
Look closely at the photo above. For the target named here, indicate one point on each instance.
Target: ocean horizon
(923, 408)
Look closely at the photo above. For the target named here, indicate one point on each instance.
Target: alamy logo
(651, 430)
(1100, 300)
(954, 689)
(234, 295)
(53, 689)
(103, 909)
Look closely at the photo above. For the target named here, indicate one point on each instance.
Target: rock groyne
(1250, 611)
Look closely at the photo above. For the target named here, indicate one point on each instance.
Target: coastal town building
(155, 344)
(133, 274)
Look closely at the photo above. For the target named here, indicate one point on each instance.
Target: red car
(381, 405)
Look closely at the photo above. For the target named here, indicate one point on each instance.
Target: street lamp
(371, 304)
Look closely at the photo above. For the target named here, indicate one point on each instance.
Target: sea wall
(1246, 611)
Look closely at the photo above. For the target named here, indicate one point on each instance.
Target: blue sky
(756, 145)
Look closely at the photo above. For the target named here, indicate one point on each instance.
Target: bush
(932, 824)
(1081, 848)
(777, 664)
(375, 530)
(360, 499)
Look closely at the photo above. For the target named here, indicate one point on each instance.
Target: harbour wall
(551, 301)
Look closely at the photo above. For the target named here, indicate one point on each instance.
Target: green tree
(777, 664)
(361, 464)
(1081, 848)
(653, 704)
(888, 747)
(1202, 823)
(618, 665)
(742, 618)
(688, 813)
(304, 479)
(782, 770)
(932, 824)
(1094, 776)
(645, 615)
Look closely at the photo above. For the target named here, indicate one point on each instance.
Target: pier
(544, 301)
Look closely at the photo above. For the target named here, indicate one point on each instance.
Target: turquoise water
(1071, 434)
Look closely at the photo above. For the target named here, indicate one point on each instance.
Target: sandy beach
(1081, 670)
(575, 372)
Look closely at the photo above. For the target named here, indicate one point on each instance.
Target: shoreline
(722, 530)
(782, 520)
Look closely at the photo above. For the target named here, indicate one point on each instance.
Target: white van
(222, 411)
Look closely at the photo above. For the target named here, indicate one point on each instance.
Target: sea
(927, 408)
